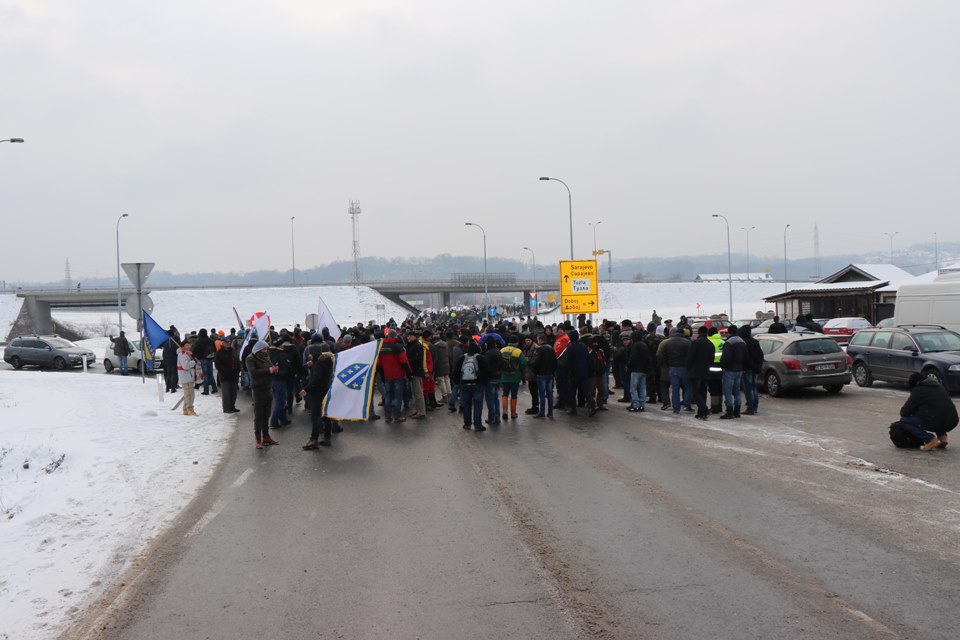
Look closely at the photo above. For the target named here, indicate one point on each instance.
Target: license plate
(824, 367)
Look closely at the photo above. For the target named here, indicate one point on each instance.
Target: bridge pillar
(40, 316)
(445, 299)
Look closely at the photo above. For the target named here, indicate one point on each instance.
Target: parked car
(802, 359)
(893, 354)
(842, 329)
(753, 322)
(887, 322)
(721, 325)
(46, 351)
(764, 326)
(110, 361)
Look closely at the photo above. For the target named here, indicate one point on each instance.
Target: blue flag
(154, 337)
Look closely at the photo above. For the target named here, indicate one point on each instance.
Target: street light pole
(729, 263)
(533, 257)
(785, 258)
(748, 249)
(293, 252)
(486, 297)
(119, 304)
(570, 204)
(595, 225)
(12, 140)
(890, 235)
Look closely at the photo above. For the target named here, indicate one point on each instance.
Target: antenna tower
(816, 249)
(354, 211)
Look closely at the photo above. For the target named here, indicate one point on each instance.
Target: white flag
(259, 322)
(325, 319)
(352, 387)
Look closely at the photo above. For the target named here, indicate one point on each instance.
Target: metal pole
(785, 258)
(119, 303)
(486, 296)
(293, 255)
(12, 140)
(533, 257)
(936, 253)
(748, 249)
(595, 225)
(570, 203)
(890, 235)
(729, 263)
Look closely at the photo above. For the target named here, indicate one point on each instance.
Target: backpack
(469, 369)
(508, 363)
(599, 362)
(900, 438)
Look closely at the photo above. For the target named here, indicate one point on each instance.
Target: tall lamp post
(785, 258)
(533, 257)
(890, 235)
(293, 252)
(12, 140)
(570, 204)
(119, 303)
(595, 225)
(486, 299)
(748, 248)
(729, 263)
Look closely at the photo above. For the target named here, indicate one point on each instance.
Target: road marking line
(217, 507)
(243, 478)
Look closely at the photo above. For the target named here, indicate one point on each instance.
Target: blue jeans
(638, 389)
(912, 425)
(731, 389)
(749, 383)
(545, 393)
(471, 395)
(393, 398)
(122, 363)
(279, 403)
(493, 401)
(679, 380)
(206, 365)
(453, 400)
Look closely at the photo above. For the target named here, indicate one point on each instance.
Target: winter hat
(260, 346)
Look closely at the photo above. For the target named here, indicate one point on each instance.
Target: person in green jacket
(513, 362)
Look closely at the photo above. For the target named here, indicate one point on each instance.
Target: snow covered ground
(9, 310)
(67, 528)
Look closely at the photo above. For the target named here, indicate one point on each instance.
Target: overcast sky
(212, 123)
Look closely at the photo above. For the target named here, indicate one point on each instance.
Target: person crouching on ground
(929, 408)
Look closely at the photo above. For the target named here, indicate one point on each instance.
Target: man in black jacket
(929, 408)
(751, 370)
(472, 382)
(635, 370)
(733, 360)
(320, 365)
(699, 360)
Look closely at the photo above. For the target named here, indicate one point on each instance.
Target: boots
(268, 440)
(728, 415)
(259, 443)
(513, 408)
(311, 444)
(736, 412)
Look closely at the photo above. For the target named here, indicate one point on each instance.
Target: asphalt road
(801, 522)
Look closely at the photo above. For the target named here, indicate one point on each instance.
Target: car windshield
(816, 347)
(938, 341)
(59, 343)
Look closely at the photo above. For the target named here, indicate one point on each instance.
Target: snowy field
(9, 309)
(87, 476)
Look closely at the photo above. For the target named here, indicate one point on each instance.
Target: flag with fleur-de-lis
(352, 386)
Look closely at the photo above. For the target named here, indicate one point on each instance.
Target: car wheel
(59, 363)
(140, 367)
(933, 374)
(861, 375)
(16, 362)
(774, 390)
(107, 366)
(834, 388)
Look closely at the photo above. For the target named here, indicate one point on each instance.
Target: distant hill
(916, 259)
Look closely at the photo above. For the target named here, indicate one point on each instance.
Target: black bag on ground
(900, 438)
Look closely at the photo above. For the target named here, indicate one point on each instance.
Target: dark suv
(892, 354)
(46, 351)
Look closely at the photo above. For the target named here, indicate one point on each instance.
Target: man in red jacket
(394, 367)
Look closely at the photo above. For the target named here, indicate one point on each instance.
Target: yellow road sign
(578, 286)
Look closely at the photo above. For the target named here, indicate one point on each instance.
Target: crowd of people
(454, 360)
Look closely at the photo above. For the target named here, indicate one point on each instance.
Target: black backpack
(900, 438)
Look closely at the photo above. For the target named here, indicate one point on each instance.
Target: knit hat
(259, 346)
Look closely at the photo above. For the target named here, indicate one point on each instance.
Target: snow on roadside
(67, 529)
(10, 306)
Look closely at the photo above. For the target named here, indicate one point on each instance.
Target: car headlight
(954, 368)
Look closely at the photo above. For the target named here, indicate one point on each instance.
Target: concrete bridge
(39, 302)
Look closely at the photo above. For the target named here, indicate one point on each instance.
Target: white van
(936, 302)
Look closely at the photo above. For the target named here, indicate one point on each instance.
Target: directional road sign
(578, 286)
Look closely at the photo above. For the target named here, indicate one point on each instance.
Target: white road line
(217, 507)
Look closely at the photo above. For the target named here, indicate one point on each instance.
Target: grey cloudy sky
(212, 122)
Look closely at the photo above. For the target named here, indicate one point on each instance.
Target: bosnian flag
(352, 387)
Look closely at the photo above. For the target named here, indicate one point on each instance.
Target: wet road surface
(802, 521)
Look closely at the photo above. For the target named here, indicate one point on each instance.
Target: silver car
(802, 359)
(46, 351)
(111, 361)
